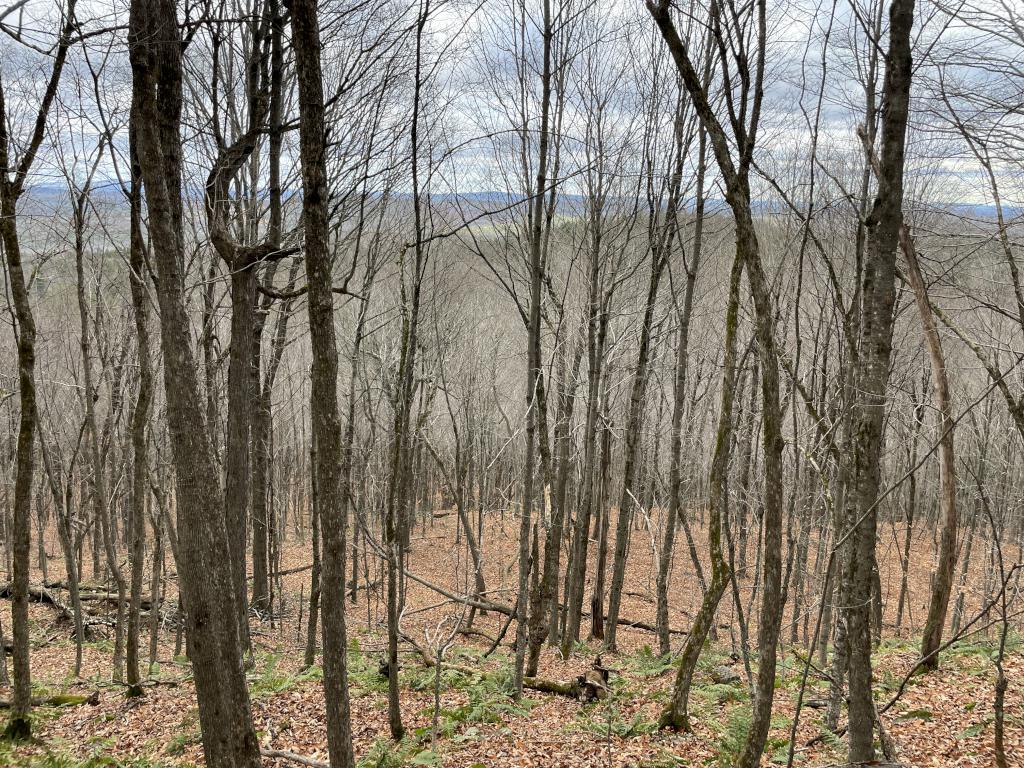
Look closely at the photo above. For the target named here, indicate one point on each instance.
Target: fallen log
(430, 662)
(473, 632)
(590, 686)
(628, 624)
(85, 586)
(570, 689)
(43, 595)
(59, 700)
(507, 610)
(111, 597)
(280, 754)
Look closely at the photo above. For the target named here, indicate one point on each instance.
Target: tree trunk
(678, 408)
(11, 188)
(942, 579)
(878, 298)
(676, 715)
(323, 404)
(204, 567)
(140, 417)
(535, 400)
(237, 463)
(659, 258)
(18, 726)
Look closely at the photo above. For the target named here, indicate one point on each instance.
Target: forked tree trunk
(878, 298)
(736, 175)
(229, 739)
(676, 715)
(536, 403)
(679, 407)
(942, 580)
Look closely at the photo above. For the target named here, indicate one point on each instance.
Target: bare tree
(324, 374)
(16, 162)
(204, 564)
(871, 374)
(744, 112)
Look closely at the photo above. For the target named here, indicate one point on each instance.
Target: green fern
(733, 737)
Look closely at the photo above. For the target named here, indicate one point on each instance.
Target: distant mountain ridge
(498, 201)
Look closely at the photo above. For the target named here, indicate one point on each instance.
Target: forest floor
(941, 719)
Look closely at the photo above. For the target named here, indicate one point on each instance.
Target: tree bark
(878, 296)
(942, 580)
(678, 407)
(324, 415)
(11, 187)
(140, 414)
(204, 567)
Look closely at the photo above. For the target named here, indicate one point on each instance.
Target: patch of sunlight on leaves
(470, 734)
(426, 757)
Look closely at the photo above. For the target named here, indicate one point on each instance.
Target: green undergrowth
(269, 678)
(95, 755)
(384, 753)
(606, 720)
(978, 653)
(187, 734)
(732, 734)
(646, 663)
(489, 701)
